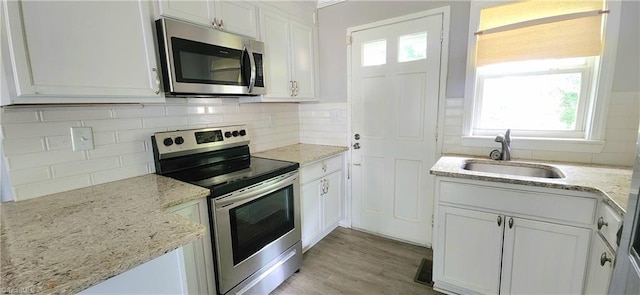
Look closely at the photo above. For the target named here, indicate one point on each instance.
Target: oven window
(197, 62)
(260, 222)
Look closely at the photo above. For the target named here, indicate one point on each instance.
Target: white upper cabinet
(238, 17)
(290, 65)
(81, 52)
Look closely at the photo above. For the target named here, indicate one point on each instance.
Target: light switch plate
(82, 138)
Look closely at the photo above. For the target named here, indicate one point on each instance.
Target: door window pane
(374, 53)
(412, 47)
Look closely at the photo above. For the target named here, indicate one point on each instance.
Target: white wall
(623, 111)
(37, 142)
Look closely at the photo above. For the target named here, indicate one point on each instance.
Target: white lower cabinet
(197, 255)
(600, 267)
(492, 240)
(321, 199)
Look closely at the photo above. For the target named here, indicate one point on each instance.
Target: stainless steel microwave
(200, 61)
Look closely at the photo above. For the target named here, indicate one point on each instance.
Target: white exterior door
(394, 100)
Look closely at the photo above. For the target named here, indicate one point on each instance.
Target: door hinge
(349, 40)
(436, 133)
(432, 221)
(441, 35)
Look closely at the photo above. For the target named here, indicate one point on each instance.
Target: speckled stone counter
(611, 183)
(66, 242)
(302, 153)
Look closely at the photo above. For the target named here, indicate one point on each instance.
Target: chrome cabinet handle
(499, 220)
(510, 222)
(214, 23)
(157, 80)
(324, 166)
(604, 259)
(356, 146)
(357, 136)
(602, 223)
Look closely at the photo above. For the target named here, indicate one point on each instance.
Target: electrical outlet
(335, 115)
(82, 138)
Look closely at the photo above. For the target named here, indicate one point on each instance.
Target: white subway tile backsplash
(18, 116)
(26, 176)
(122, 138)
(120, 173)
(104, 138)
(113, 124)
(26, 130)
(562, 156)
(137, 135)
(185, 110)
(207, 101)
(116, 149)
(28, 191)
(205, 119)
(60, 142)
(75, 114)
(138, 111)
(164, 122)
(136, 159)
(620, 159)
(34, 160)
(23, 146)
(84, 167)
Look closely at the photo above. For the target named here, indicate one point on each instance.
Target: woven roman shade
(540, 29)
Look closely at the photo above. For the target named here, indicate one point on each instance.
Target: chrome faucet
(505, 139)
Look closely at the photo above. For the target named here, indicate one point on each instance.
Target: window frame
(601, 80)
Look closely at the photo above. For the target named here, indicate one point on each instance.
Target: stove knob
(243, 132)
(227, 134)
(235, 133)
(179, 140)
(168, 141)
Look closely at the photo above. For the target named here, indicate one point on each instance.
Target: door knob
(356, 146)
(357, 136)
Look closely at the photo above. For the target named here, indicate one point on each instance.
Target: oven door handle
(256, 192)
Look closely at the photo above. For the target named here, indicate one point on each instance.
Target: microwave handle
(252, 61)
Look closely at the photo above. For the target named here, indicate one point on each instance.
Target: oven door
(254, 226)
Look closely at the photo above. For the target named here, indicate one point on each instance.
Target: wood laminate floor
(352, 262)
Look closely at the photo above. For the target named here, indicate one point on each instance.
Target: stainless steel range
(254, 204)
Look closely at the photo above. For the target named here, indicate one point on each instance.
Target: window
(374, 53)
(534, 67)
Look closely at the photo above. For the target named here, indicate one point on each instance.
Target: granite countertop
(302, 153)
(67, 242)
(612, 183)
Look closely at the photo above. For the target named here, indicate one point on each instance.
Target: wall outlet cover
(82, 138)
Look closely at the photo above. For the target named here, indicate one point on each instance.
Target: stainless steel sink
(514, 168)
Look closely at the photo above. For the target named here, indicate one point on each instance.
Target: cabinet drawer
(608, 222)
(510, 200)
(320, 168)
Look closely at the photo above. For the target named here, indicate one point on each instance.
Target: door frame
(445, 11)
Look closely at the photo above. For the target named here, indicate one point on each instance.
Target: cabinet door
(275, 35)
(468, 250)
(200, 12)
(543, 258)
(198, 258)
(238, 17)
(82, 51)
(303, 60)
(332, 201)
(311, 212)
(599, 274)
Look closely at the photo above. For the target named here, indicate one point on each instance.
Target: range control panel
(182, 142)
